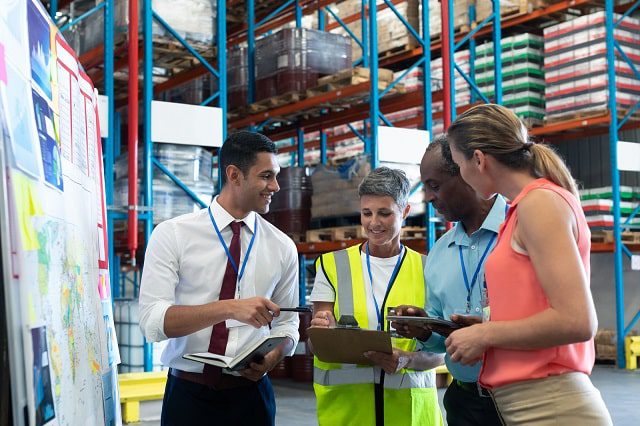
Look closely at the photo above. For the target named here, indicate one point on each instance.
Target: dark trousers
(189, 403)
(465, 407)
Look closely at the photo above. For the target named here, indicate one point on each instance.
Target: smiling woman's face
(381, 218)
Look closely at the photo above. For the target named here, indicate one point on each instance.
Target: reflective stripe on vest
(352, 376)
(345, 285)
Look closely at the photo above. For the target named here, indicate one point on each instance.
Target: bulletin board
(62, 348)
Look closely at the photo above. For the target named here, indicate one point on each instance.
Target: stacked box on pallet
(237, 77)
(522, 75)
(293, 59)
(575, 66)
(194, 20)
(462, 91)
(392, 33)
(89, 32)
(335, 189)
(484, 8)
(597, 204)
(191, 164)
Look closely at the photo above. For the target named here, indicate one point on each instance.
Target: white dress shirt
(185, 264)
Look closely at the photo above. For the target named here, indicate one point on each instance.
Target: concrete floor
(296, 403)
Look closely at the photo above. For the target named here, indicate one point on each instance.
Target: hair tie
(527, 146)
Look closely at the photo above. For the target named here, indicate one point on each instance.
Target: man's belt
(227, 381)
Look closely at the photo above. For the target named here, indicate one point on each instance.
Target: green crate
(487, 78)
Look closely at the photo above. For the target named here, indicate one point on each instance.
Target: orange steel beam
(564, 126)
(302, 105)
(334, 140)
(356, 113)
(360, 112)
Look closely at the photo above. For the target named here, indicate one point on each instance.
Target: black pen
(298, 309)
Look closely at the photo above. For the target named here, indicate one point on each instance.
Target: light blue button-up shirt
(446, 290)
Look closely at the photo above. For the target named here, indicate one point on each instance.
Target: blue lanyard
(226, 249)
(394, 274)
(475, 274)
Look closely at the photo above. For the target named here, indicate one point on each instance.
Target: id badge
(486, 314)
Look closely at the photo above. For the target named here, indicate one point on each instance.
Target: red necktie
(220, 333)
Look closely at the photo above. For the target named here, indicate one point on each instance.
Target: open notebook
(252, 353)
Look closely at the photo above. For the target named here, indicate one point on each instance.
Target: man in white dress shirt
(214, 281)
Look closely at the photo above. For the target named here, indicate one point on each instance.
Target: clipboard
(450, 326)
(347, 345)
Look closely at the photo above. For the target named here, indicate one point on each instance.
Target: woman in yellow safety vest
(400, 388)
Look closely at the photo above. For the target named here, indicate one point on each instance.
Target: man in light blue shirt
(455, 275)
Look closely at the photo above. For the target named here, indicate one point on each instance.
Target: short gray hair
(385, 181)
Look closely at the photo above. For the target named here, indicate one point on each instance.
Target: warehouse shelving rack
(605, 123)
(294, 10)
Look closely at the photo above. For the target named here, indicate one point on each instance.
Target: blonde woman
(537, 337)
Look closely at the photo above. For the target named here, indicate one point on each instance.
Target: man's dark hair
(241, 150)
(448, 165)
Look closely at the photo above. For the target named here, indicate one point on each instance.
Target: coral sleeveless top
(516, 293)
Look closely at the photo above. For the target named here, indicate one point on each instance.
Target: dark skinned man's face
(448, 194)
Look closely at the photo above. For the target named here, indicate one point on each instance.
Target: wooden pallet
(413, 232)
(355, 76)
(606, 237)
(575, 116)
(340, 233)
(275, 101)
(171, 54)
(590, 114)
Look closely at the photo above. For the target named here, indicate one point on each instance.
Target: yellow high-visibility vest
(345, 393)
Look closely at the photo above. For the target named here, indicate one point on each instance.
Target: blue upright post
(323, 147)
(109, 145)
(222, 71)
(321, 19)
(448, 61)
(426, 108)
(472, 51)
(53, 9)
(497, 52)
(364, 25)
(148, 144)
(300, 142)
(615, 182)
(302, 296)
(365, 33)
(374, 100)
(251, 49)
(298, 14)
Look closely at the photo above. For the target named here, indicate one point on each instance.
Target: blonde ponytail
(496, 130)
(548, 164)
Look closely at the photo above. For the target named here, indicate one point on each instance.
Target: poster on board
(66, 350)
(39, 46)
(49, 147)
